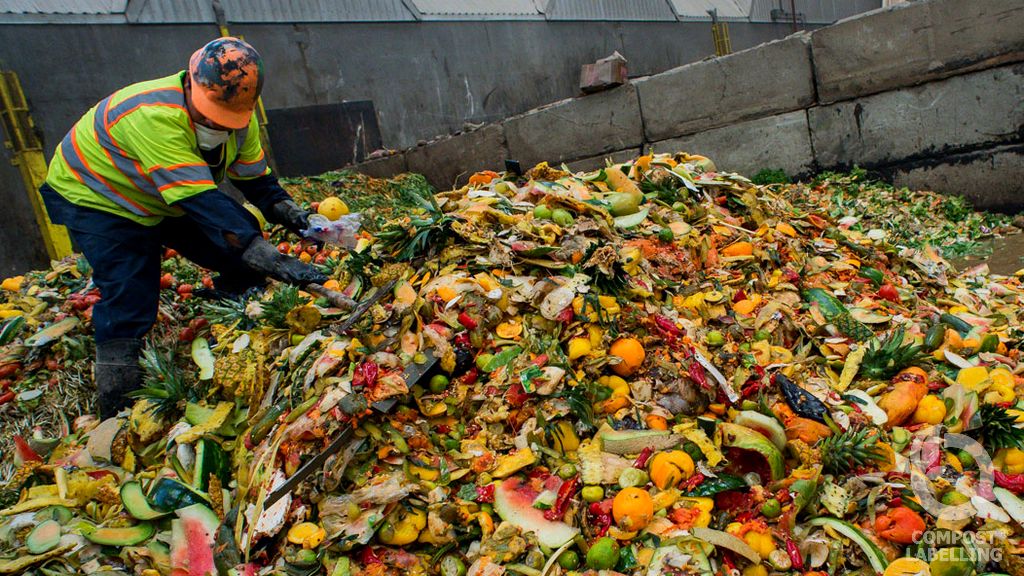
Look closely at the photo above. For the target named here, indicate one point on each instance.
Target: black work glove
(288, 214)
(263, 257)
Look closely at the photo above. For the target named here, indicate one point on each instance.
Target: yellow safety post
(29, 158)
(720, 34)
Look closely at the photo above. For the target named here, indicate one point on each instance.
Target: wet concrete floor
(1007, 256)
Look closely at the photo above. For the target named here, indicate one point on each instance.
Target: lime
(452, 565)
(603, 554)
(566, 471)
(632, 477)
(714, 338)
(951, 562)
(966, 458)
(483, 360)
(562, 217)
(438, 383)
(569, 559)
(679, 206)
(542, 212)
(762, 335)
(666, 235)
(771, 508)
(593, 493)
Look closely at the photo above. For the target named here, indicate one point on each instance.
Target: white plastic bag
(340, 232)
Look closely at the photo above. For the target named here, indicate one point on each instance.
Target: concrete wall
(425, 79)
(929, 93)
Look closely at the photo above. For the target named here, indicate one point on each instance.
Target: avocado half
(743, 438)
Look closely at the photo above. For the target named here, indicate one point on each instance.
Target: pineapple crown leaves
(164, 385)
(228, 312)
(885, 357)
(285, 299)
(998, 429)
(841, 453)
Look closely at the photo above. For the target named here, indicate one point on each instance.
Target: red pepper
(368, 556)
(485, 493)
(739, 296)
(469, 378)
(461, 340)
(467, 321)
(730, 564)
(794, 554)
(1012, 482)
(565, 494)
(645, 455)
(602, 507)
(365, 374)
(667, 325)
(692, 482)
(540, 360)
(565, 316)
(516, 395)
(696, 373)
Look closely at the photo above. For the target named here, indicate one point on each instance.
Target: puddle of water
(1006, 258)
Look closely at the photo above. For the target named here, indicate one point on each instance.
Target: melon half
(193, 536)
(513, 501)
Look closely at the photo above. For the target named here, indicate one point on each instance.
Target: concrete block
(913, 43)
(384, 167)
(934, 119)
(990, 179)
(451, 161)
(599, 161)
(576, 128)
(764, 80)
(777, 142)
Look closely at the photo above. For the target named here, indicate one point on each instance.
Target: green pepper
(712, 486)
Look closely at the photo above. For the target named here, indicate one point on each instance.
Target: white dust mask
(208, 138)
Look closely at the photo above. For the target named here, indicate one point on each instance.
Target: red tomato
(320, 258)
(888, 292)
(198, 323)
(207, 282)
(314, 206)
(284, 247)
(166, 281)
(170, 253)
(311, 250)
(186, 335)
(185, 290)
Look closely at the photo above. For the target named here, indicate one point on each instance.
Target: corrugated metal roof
(479, 9)
(697, 10)
(63, 6)
(265, 11)
(810, 11)
(640, 10)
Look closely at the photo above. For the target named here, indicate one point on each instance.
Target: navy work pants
(125, 257)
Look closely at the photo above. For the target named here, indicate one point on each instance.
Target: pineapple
(216, 496)
(998, 429)
(244, 374)
(388, 273)
(883, 359)
(836, 314)
(856, 447)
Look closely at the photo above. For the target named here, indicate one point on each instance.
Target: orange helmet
(226, 77)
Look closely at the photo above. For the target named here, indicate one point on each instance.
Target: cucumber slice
(136, 504)
(62, 514)
(203, 358)
(1013, 505)
(875, 555)
(44, 537)
(129, 536)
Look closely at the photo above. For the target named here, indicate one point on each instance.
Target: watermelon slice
(192, 540)
(513, 501)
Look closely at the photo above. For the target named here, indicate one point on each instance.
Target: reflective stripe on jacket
(134, 154)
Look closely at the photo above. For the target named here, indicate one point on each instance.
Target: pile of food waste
(651, 368)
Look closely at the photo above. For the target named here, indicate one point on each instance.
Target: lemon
(332, 208)
(908, 567)
(579, 347)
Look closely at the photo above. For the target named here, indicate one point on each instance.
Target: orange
(481, 178)
(738, 249)
(332, 208)
(655, 422)
(305, 257)
(631, 351)
(332, 284)
(668, 469)
(633, 509)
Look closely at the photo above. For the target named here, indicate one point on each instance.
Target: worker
(139, 172)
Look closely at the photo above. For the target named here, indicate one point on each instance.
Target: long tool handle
(337, 299)
(311, 466)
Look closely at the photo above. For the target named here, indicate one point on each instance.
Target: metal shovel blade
(412, 374)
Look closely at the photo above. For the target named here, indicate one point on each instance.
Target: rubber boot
(117, 373)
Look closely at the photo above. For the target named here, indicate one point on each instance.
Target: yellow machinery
(720, 34)
(28, 157)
